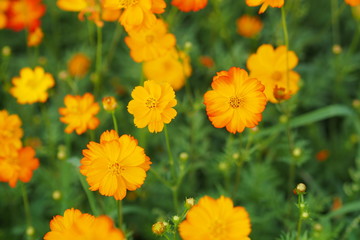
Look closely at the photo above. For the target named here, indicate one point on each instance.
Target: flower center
(127, 3)
(151, 103)
(218, 230)
(149, 38)
(236, 102)
(115, 168)
(276, 76)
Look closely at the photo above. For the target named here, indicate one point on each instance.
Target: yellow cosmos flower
(173, 68)
(215, 219)
(265, 4)
(236, 100)
(32, 85)
(151, 43)
(79, 113)
(10, 129)
(152, 105)
(82, 226)
(269, 66)
(114, 165)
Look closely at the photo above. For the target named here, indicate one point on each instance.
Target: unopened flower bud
(336, 49)
(63, 75)
(6, 51)
(223, 166)
(56, 195)
(189, 202)
(176, 219)
(318, 227)
(109, 103)
(158, 228)
(305, 215)
(283, 119)
(30, 231)
(184, 156)
(301, 188)
(297, 152)
(61, 154)
(235, 156)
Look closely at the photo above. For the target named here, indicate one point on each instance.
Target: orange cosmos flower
(35, 37)
(17, 164)
(173, 68)
(215, 219)
(78, 65)
(82, 226)
(269, 66)
(152, 105)
(248, 26)
(322, 155)
(189, 5)
(10, 130)
(32, 85)
(207, 61)
(137, 14)
(353, 2)
(150, 44)
(3, 7)
(236, 100)
(79, 113)
(265, 4)
(114, 165)
(23, 14)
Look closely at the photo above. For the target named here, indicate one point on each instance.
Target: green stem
(98, 60)
(174, 191)
(112, 49)
(114, 121)
(161, 179)
(119, 211)
(89, 195)
(286, 40)
(26, 207)
(171, 159)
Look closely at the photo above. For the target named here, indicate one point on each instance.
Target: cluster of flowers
(23, 14)
(117, 164)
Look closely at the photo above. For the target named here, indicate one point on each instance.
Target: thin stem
(26, 207)
(112, 49)
(98, 60)
(89, 195)
(286, 40)
(171, 159)
(239, 164)
(119, 211)
(161, 179)
(175, 197)
(114, 121)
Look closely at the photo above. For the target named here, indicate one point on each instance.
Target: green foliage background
(324, 116)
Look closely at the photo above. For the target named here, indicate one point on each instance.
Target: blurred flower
(4, 4)
(78, 65)
(152, 105)
(151, 43)
(337, 204)
(82, 226)
(269, 66)
(189, 5)
(158, 6)
(114, 165)
(6, 51)
(248, 26)
(17, 164)
(280, 94)
(91, 8)
(35, 37)
(216, 219)
(79, 113)
(265, 4)
(336, 49)
(10, 130)
(158, 228)
(322, 155)
(207, 61)
(353, 2)
(32, 85)
(109, 103)
(137, 14)
(24, 14)
(236, 100)
(173, 68)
